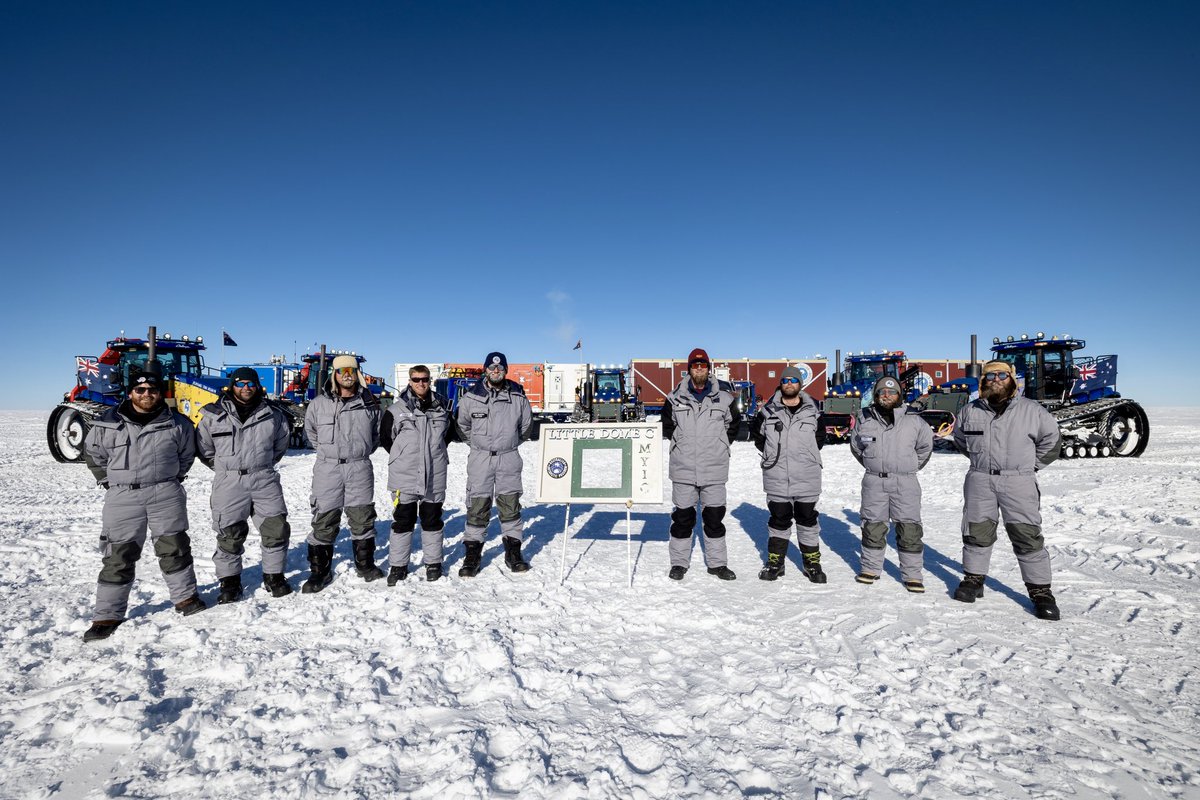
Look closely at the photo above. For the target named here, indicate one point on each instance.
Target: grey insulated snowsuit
(416, 438)
(791, 467)
(892, 453)
(243, 456)
(494, 423)
(1005, 450)
(143, 467)
(701, 432)
(344, 431)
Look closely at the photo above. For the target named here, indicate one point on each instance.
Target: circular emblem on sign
(923, 383)
(557, 467)
(187, 408)
(805, 374)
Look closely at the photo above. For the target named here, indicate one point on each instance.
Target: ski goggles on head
(996, 376)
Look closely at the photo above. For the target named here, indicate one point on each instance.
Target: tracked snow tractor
(847, 397)
(1081, 394)
(605, 396)
(100, 385)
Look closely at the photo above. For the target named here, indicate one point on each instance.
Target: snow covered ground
(514, 685)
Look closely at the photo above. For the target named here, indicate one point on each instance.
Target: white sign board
(601, 463)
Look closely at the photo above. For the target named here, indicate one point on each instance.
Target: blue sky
(431, 181)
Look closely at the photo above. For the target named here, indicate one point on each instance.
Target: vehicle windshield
(871, 370)
(171, 362)
(611, 383)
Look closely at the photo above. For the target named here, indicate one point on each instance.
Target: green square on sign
(624, 447)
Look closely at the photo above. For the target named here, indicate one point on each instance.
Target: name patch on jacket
(478, 415)
(972, 433)
(867, 438)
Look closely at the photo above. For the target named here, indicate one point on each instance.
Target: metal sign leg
(562, 569)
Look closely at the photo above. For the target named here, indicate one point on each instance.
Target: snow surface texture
(514, 685)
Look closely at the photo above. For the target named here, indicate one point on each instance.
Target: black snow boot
(396, 574)
(433, 572)
(970, 588)
(231, 590)
(364, 560)
(276, 584)
(101, 629)
(320, 564)
(811, 564)
(193, 605)
(512, 555)
(677, 573)
(776, 559)
(1044, 606)
(724, 573)
(470, 565)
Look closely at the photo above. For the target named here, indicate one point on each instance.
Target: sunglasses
(418, 380)
(698, 364)
(497, 368)
(888, 392)
(790, 380)
(147, 390)
(996, 376)
(242, 384)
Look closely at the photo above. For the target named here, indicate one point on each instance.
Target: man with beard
(893, 444)
(342, 424)
(700, 418)
(241, 437)
(494, 417)
(415, 431)
(140, 453)
(1008, 439)
(785, 431)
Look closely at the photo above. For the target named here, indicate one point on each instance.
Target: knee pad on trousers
(909, 537)
(120, 562)
(479, 511)
(404, 518)
(508, 507)
(981, 534)
(874, 535)
(781, 516)
(712, 516)
(174, 552)
(232, 538)
(683, 521)
(806, 514)
(431, 517)
(1025, 538)
(275, 531)
(325, 526)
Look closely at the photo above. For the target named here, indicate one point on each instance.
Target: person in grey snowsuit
(140, 453)
(241, 437)
(494, 417)
(415, 431)
(342, 424)
(1008, 439)
(893, 444)
(786, 433)
(700, 418)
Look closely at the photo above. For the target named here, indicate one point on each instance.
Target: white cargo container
(560, 383)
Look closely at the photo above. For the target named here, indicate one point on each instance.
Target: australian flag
(1094, 374)
(228, 341)
(97, 377)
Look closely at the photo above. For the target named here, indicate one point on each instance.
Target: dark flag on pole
(578, 344)
(228, 341)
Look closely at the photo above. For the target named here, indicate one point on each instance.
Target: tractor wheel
(65, 433)
(1127, 429)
